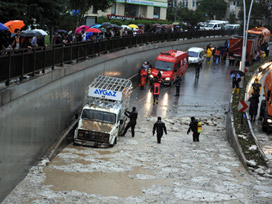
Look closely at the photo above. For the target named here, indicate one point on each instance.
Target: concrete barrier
(35, 112)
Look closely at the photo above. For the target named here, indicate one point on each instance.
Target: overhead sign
(106, 94)
(145, 2)
(243, 106)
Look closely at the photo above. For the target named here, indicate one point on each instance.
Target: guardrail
(17, 63)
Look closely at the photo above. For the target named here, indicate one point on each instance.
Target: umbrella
(133, 26)
(96, 26)
(93, 30)
(156, 25)
(106, 24)
(239, 72)
(42, 32)
(116, 26)
(140, 25)
(29, 33)
(89, 35)
(125, 26)
(3, 27)
(15, 24)
(61, 31)
(79, 29)
(165, 25)
(175, 23)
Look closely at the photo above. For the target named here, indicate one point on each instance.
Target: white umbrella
(42, 32)
(125, 26)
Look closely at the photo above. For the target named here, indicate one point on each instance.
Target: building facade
(135, 8)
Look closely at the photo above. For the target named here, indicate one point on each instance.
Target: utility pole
(245, 33)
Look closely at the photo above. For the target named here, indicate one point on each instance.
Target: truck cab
(102, 118)
(171, 64)
(266, 104)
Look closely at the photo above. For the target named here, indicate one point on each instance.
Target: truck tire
(115, 141)
(264, 128)
(262, 108)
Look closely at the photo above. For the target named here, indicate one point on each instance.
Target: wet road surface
(138, 170)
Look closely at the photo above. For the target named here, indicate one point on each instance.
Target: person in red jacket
(143, 78)
(155, 89)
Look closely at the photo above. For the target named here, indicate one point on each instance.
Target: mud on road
(138, 170)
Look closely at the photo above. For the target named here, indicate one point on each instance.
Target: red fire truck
(257, 40)
(170, 64)
(235, 49)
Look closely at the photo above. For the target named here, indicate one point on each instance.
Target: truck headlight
(151, 76)
(269, 120)
(167, 78)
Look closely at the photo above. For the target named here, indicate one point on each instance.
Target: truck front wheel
(264, 128)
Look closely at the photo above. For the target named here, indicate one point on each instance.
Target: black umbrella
(106, 24)
(238, 71)
(116, 26)
(61, 31)
(29, 33)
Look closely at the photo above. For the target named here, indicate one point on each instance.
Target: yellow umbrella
(133, 26)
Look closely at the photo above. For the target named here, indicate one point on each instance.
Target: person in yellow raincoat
(209, 54)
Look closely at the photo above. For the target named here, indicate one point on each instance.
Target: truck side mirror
(76, 116)
(121, 122)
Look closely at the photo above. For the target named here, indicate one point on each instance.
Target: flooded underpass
(139, 170)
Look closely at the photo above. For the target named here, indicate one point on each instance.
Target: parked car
(196, 55)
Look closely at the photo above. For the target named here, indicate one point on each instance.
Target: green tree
(232, 18)
(190, 16)
(260, 11)
(213, 8)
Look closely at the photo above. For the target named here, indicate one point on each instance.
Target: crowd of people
(14, 41)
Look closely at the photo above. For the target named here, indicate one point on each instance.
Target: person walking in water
(177, 83)
(193, 126)
(159, 127)
(132, 121)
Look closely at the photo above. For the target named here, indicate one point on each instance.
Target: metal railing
(18, 63)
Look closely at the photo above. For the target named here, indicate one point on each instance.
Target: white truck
(103, 117)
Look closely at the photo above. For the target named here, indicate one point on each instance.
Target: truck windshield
(98, 116)
(210, 25)
(164, 66)
(193, 54)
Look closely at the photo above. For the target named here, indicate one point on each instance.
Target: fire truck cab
(171, 64)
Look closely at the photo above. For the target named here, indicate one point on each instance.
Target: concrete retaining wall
(34, 113)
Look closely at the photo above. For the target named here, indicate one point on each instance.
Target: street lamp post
(246, 25)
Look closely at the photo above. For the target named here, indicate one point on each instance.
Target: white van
(214, 26)
(196, 55)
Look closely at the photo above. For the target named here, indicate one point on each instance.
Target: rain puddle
(122, 184)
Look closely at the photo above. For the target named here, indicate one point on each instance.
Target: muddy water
(106, 184)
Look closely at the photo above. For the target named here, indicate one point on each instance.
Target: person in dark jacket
(159, 126)
(177, 83)
(253, 107)
(132, 121)
(193, 127)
